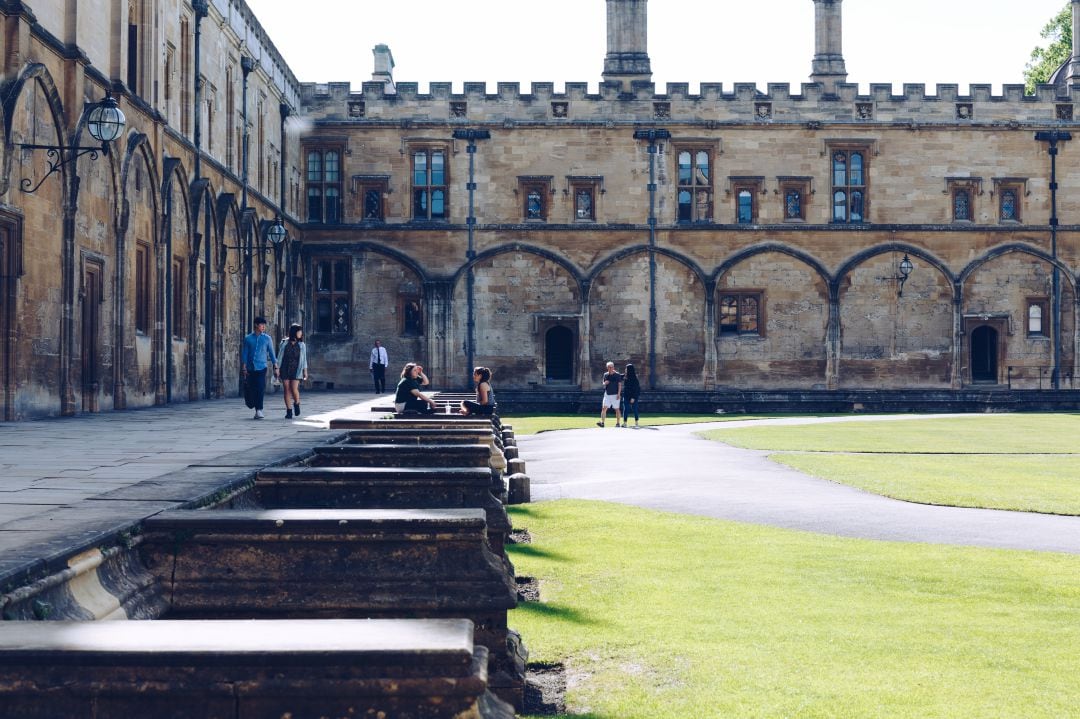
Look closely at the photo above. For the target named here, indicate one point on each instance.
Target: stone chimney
(1073, 77)
(384, 68)
(627, 57)
(828, 66)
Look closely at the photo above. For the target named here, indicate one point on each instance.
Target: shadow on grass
(531, 550)
(590, 715)
(556, 611)
(520, 509)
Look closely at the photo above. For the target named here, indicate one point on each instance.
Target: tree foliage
(1045, 60)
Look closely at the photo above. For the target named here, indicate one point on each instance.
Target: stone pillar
(627, 58)
(832, 339)
(828, 65)
(957, 380)
(384, 69)
(1074, 63)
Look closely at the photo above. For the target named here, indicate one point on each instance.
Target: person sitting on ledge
(484, 406)
(409, 398)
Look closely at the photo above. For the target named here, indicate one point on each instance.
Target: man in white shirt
(377, 365)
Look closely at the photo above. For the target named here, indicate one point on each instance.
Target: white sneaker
(259, 414)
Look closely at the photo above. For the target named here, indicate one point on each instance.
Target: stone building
(127, 276)
(740, 238)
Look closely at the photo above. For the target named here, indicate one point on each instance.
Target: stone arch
(520, 293)
(42, 303)
(141, 293)
(891, 336)
(555, 257)
(230, 320)
(777, 247)
(997, 288)
(770, 319)
(619, 306)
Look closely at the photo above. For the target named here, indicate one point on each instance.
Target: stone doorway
(559, 355)
(91, 335)
(984, 355)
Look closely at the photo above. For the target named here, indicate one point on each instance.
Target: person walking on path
(294, 369)
(484, 404)
(377, 366)
(630, 394)
(612, 395)
(409, 398)
(256, 355)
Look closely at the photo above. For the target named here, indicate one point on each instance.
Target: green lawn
(661, 615)
(533, 423)
(1028, 462)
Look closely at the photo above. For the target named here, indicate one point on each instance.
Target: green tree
(1044, 60)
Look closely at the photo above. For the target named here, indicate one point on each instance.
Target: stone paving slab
(74, 483)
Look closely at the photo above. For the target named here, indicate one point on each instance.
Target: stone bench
(385, 488)
(339, 563)
(396, 455)
(251, 669)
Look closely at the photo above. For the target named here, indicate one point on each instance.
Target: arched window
(1036, 316)
(745, 207)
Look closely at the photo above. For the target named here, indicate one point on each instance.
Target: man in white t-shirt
(377, 365)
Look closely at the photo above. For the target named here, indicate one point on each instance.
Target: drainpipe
(284, 111)
(471, 136)
(202, 9)
(247, 65)
(652, 136)
(1052, 138)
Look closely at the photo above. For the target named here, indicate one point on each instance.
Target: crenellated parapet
(738, 103)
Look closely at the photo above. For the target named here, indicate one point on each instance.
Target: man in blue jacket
(256, 355)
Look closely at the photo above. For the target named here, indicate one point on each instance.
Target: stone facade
(537, 232)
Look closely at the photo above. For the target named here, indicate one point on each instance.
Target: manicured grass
(1027, 462)
(975, 434)
(1029, 483)
(660, 615)
(533, 423)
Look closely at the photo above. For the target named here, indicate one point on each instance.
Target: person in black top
(409, 398)
(612, 395)
(630, 393)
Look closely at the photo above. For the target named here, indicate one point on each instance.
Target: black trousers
(378, 376)
(256, 388)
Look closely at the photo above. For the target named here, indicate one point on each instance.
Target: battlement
(741, 102)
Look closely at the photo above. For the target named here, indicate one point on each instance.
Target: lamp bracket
(56, 160)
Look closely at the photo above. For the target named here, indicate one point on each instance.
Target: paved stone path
(671, 469)
(75, 482)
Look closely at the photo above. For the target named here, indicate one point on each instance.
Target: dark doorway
(984, 355)
(91, 336)
(559, 344)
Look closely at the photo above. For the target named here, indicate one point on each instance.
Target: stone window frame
(973, 186)
(331, 292)
(865, 149)
(1042, 304)
(1001, 187)
(590, 185)
(544, 186)
(326, 182)
(789, 183)
(739, 296)
(404, 329)
(361, 187)
(693, 186)
(143, 296)
(429, 148)
(754, 185)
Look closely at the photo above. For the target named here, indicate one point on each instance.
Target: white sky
(728, 41)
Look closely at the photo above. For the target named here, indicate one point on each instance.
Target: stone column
(627, 58)
(828, 65)
(957, 377)
(832, 339)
